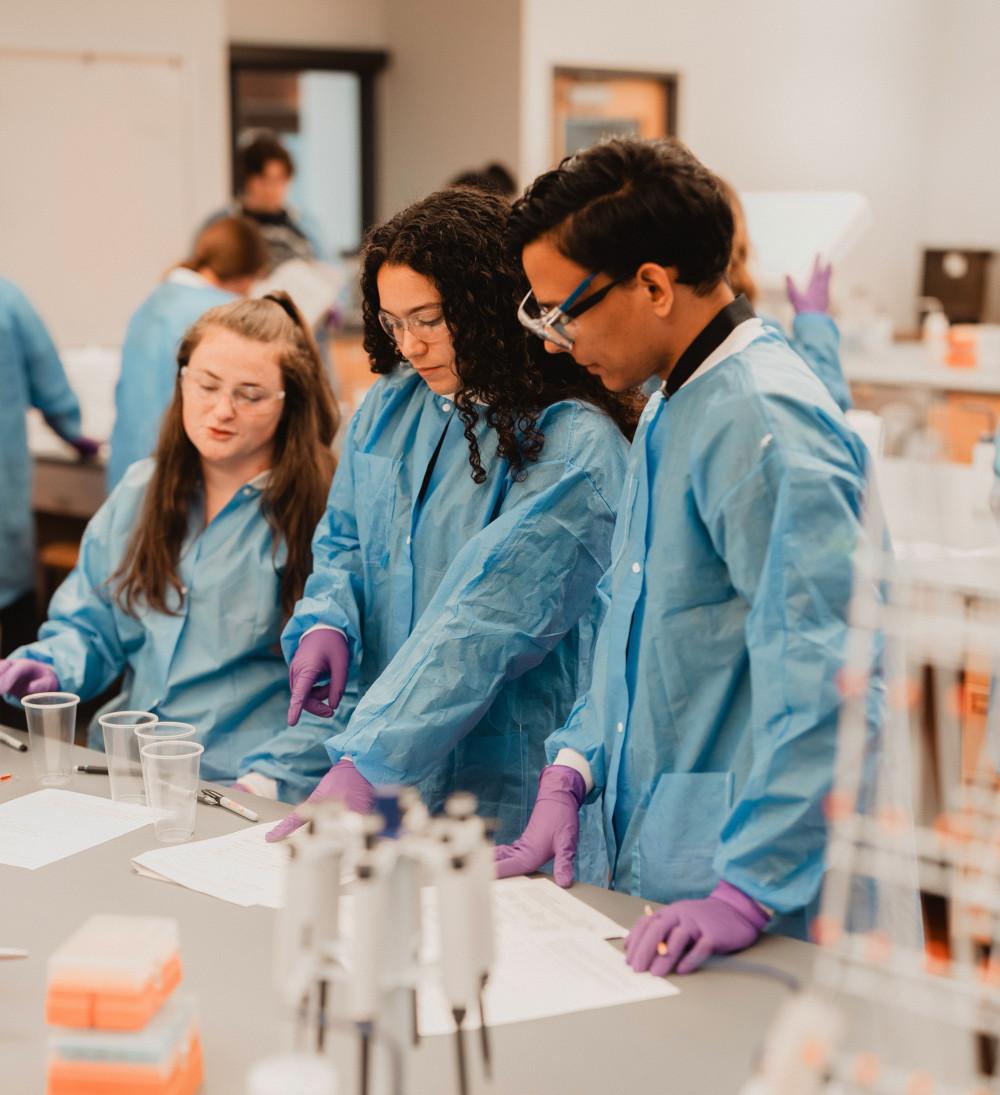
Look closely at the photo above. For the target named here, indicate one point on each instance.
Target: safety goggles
(247, 399)
(552, 325)
(429, 326)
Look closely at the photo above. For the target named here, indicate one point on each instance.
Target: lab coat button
(620, 728)
(636, 568)
(445, 406)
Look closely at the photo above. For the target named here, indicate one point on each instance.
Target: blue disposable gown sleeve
(816, 340)
(506, 600)
(80, 639)
(48, 388)
(787, 529)
(334, 591)
(583, 731)
(296, 757)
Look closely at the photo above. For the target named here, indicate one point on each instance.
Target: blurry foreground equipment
(906, 992)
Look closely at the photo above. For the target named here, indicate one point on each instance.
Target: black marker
(92, 769)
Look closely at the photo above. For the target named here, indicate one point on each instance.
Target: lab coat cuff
(259, 784)
(572, 759)
(325, 627)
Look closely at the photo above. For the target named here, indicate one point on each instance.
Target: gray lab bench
(702, 1042)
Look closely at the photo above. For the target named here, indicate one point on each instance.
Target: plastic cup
(51, 725)
(122, 748)
(160, 731)
(172, 769)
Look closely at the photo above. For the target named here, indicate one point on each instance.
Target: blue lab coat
(216, 663)
(470, 617)
(149, 368)
(31, 375)
(816, 339)
(710, 726)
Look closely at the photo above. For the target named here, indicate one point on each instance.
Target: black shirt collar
(711, 337)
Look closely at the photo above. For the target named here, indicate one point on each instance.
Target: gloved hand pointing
(816, 295)
(343, 781)
(552, 830)
(690, 931)
(21, 677)
(321, 653)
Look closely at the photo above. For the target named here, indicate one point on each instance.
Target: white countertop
(912, 365)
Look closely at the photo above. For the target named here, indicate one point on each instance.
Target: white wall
(317, 24)
(777, 94)
(450, 95)
(87, 289)
(961, 161)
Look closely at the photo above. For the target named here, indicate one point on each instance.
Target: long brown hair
(295, 495)
(738, 275)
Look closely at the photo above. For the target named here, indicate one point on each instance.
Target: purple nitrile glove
(22, 677)
(87, 447)
(816, 295)
(690, 931)
(553, 829)
(321, 653)
(343, 781)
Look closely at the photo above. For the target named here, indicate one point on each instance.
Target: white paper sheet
(547, 907)
(547, 974)
(552, 958)
(239, 867)
(51, 824)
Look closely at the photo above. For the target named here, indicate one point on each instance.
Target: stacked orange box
(119, 1027)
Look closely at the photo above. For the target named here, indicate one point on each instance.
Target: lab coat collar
(181, 275)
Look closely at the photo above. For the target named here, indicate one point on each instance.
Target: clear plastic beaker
(51, 720)
(122, 748)
(161, 731)
(172, 769)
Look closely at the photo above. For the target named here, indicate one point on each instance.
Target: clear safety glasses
(426, 326)
(246, 399)
(553, 325)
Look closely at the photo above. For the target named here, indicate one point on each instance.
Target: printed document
(50, 824)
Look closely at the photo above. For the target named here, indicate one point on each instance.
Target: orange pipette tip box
(113, 973)
(163, 1059)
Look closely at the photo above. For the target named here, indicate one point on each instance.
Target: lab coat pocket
(375, 499)
(680, 834)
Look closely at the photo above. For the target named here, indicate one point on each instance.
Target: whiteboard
(94, 201)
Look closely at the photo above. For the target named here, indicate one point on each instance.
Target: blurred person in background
(31, 375)
(494, 177)
(227, 257)
(265, 169)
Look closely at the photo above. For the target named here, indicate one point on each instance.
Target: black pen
(9, 739)
(92, 769)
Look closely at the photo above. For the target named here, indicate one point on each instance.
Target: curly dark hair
(455, 238)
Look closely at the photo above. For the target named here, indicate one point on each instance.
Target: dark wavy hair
(455, 238)
(624, 202)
